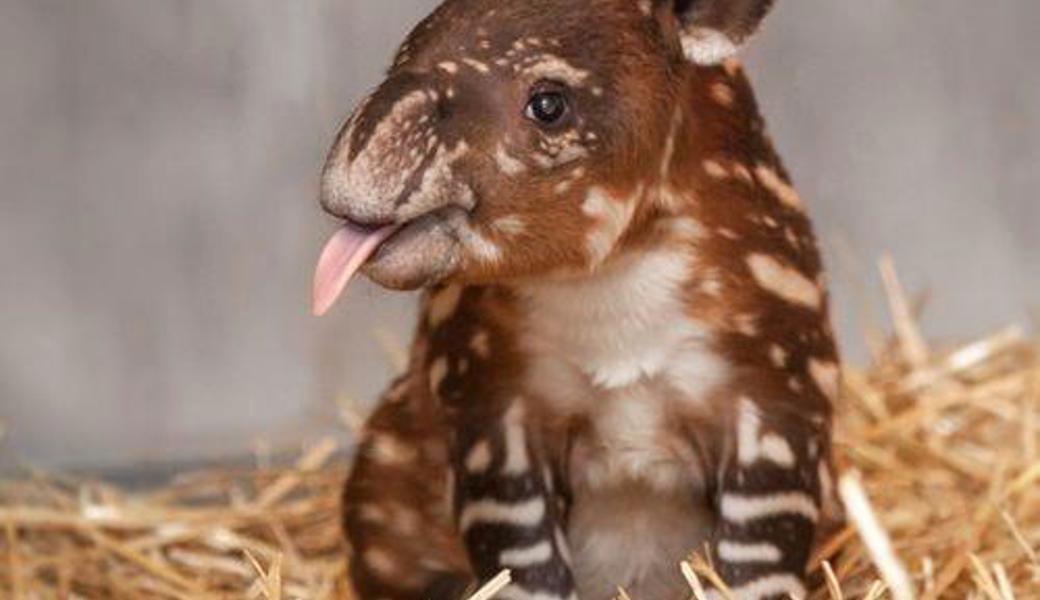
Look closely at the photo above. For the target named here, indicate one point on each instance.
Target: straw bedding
(939, 448)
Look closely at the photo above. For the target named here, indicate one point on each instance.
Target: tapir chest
(637, 483)
(619, 384)
(620, 356)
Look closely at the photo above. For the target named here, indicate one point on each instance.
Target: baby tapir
(623, 354)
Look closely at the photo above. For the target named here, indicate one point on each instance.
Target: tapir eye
(546, 107)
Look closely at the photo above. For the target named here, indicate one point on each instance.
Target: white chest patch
(619, 351)
(619, 326)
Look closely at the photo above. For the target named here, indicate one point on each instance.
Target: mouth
(400, 255)
(344, 254)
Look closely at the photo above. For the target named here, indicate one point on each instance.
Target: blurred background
(159, 225)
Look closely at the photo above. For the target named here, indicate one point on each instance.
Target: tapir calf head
(516, 139)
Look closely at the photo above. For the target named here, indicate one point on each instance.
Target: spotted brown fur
(624, 351)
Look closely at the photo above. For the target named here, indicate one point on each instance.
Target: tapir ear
(713, 30)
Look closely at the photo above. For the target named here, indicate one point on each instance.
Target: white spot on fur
(778, 355)
(669, 145)
(751, 447)
(381, 562)
(386, 449)
(522, 558)
(508, 164)
(517, 462)
(827, 377)
(770, 586)
(723, 95)
(404, 521)
(612, 216)
(560, 149)
(707, 46)
(527, 513)
(476, 65)
(443, 304)
(438, 371)
(480, 344)
(479, 457)
(744, 509)
(743, 173)
(682, 229)
(738, 552)
(448, 67)
(711, 286)
(564, 186)
(714, 169)
(746, 324)
(480, 247)
(792, 238)
(552, 67)
(372, 513)
(777, 449)
(510, 225)
(784, 281)
(771, 180)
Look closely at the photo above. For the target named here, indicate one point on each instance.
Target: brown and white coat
(624, 352)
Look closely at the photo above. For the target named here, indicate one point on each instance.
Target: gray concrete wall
(158, 164)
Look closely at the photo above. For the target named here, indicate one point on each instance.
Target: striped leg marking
(769, 506)
(507, 512)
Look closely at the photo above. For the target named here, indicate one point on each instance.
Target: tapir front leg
(508, 513)
(768, 502)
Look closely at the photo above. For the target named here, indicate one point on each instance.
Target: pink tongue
(343, 255)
